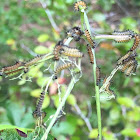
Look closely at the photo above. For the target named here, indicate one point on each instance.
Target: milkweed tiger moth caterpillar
(57, 49)
(120, 61)
(80, 3)
(75, 32)
(130, 70)
(89, 50)
(136, 42)
(38, 113)
(33, 61)
(125, 66)
(12, 73)
(60, 68)
(88, 36)
(97, 76)
(125, 36)
(72, 52)
(13, 67)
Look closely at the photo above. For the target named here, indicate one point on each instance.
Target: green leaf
(128, 102)
(41, 50)
(71, 100)
(128, 132)
(93, 134)
(99, 17)
(36, 93)
(43, 38)
(46, 101)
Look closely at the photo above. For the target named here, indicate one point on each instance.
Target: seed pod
(60, 68)
(98, 76)
(88, 36)
(89, 50)
(79, 3)
(136, 42)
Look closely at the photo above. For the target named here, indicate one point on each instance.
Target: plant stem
(70, 87)
(96, 87)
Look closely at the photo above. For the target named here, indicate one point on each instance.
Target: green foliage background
(26, 23)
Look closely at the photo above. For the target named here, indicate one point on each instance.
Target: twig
(44, 5)
(86, 120)
(70, 87)
(28, 49)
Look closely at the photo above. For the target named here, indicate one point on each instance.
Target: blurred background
(28, 28)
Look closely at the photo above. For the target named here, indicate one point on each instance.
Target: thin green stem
(96, 87)
(70, 87)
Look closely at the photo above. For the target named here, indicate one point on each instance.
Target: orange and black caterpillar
(12, 73)
(12, 68)
(123, 58)
(75, 32)
(38, 113)
(127, 65)
(130, 70)
(125, 36)
(98, 78)
(72, 52)
(79, 3)
(33, 61)
(60, 68)
(89, 50)
(88, 36)
(136, 42)
(57, 49)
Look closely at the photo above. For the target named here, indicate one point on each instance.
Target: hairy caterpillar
(130, 70)
(88, 36)
(60, 68)
(75, 32)
(129, 63)
(98, 76)
(38, 113)
(79, 3)
(136, 42)
(89, 50)
(11, 73)
(13, 67)
(33, 61)
(123, 58)
(125, 36)
(73, 52)
(57, 49)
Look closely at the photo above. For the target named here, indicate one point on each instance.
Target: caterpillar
(128, 64)
(125, 36)
(126, 32)
(98, 76)
(33, 61)
(11, 73)
(60, 68)
(79, 3)
(123, 58)
(75, 32)
(38, 113)
(57, 49)
(13, 67)
(89, 50)
(129, 70)
(88, 36)
(136, 42)
(73, 52)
